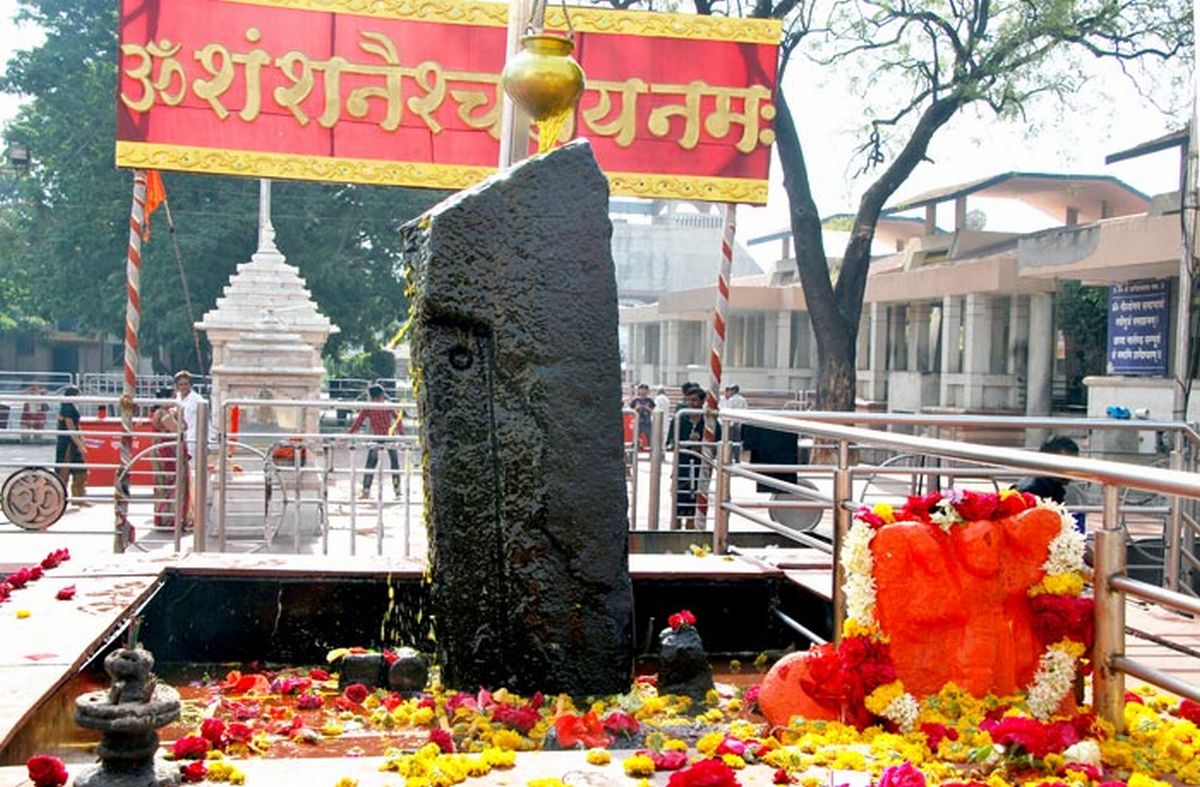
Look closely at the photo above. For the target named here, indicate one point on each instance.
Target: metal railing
(1111, 582)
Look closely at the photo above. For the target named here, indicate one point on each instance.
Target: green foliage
(64, 230)
(1081, 313)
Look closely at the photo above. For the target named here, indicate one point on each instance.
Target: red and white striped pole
(133, 310)
(717, 355)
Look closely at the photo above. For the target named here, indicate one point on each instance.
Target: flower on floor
(706, 773)
(46, 771)
(66, 593)
(681, 619)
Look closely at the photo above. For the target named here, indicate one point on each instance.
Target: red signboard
(404, 93)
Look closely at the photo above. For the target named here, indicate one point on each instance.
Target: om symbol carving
(33, 498)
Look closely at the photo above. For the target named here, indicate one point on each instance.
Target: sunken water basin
(200, 626)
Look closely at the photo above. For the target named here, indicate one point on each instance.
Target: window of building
(800, 341)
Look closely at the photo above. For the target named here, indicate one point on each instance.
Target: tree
(66, 227)
(934, 58)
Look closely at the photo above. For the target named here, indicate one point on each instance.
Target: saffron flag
(156, 194)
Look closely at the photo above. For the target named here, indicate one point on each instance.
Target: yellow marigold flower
(639, 765)
(499, 758)
(709, 743)
(214, 754)
(477, 766)
(1070, 646)
(346, 781)
(599, 756)
(995, 779)
(849, 760)
(417, 781)
(812, 781)
(878, 700)
(372, 701)
(332, 729)
(853, 628)
(1054, 762)
(733, 761)
(884, 511)
(547, 782)
(712, 697)
(1139, 779)
(712, 715)
(760, 661)
(421, 717)
(643, 783)
(508, 740)
(1058, 585)
(675, 744)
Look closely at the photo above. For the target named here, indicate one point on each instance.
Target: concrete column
(1039, 385)
(960, 214)
(1018, 347)
(876, 372)
(977, 346)
(783, 344)
(951, 362)
(670, 347)
(918, 337)
(634, 363)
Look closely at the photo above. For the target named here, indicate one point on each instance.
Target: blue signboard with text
(1138, 319)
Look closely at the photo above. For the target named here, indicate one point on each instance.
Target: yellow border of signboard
(587, 20)
(146, 155)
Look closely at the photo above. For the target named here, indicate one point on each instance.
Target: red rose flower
(18, 579)
(65, 594)
(917, 509)
(309, 701)
(977, 506)
(731, 745)
(1056, 617)
(213, 731)
(934, 733)
(318, 674)
(192, 747)
(194, 771)
(521, 719)
(35, 572)
(390, 657)
(706, 773)
(620, 723)
(537, 700)
(46, 771)
(750, 695)
(781, 777)
(1010, 505)
(1190, 710)
(5, 590)
(865, 514)
(442, 739)
(905, 775)
(356, 693)
(670, 760)
(681, 618)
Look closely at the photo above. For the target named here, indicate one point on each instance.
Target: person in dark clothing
(70, 452)
(1050, 487)
(691, 430)
(776, 447)
(643, 405)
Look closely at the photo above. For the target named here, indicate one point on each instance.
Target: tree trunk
(837, 372)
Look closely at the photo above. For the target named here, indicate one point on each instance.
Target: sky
(974, 145)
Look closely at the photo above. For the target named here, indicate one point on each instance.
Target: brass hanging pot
(543, 79)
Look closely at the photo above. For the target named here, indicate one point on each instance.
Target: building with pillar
(961, 319)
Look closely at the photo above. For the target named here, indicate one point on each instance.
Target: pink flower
(621, 723)
(521, 719)
(670, 760)
(46, 771)
(65, 594)
(706, 773)
(309, 701)
(905, 775)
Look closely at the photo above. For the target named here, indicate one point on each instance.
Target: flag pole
(715, 358)
(133, 308)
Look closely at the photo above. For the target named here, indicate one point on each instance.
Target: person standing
(688, 473)
(643, 406)
(166, 425)
(733, 400)
(188, 409)
(382, 423)
(70, 452)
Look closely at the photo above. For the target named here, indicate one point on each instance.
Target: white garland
(1065, 554)
(859, 566)
(1053, 680)
(903, 711)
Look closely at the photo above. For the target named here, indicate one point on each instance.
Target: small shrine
(267, 336)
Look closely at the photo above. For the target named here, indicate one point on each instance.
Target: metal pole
(200, 484)
(678, 420)
(1174, 521)
(716, 356)
(407, 502)
(181, 503)
(656, 463)
(327, 454)
(299, 498)
(1108, 687)
(720, 543)
(379, 530)
(514, 123)
(133, 308)
(353, 497)
(222, 483)
(633, 480)
(379, 476)
(843, 491)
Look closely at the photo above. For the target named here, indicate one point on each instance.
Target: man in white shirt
(189, 403)
(733, 398)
